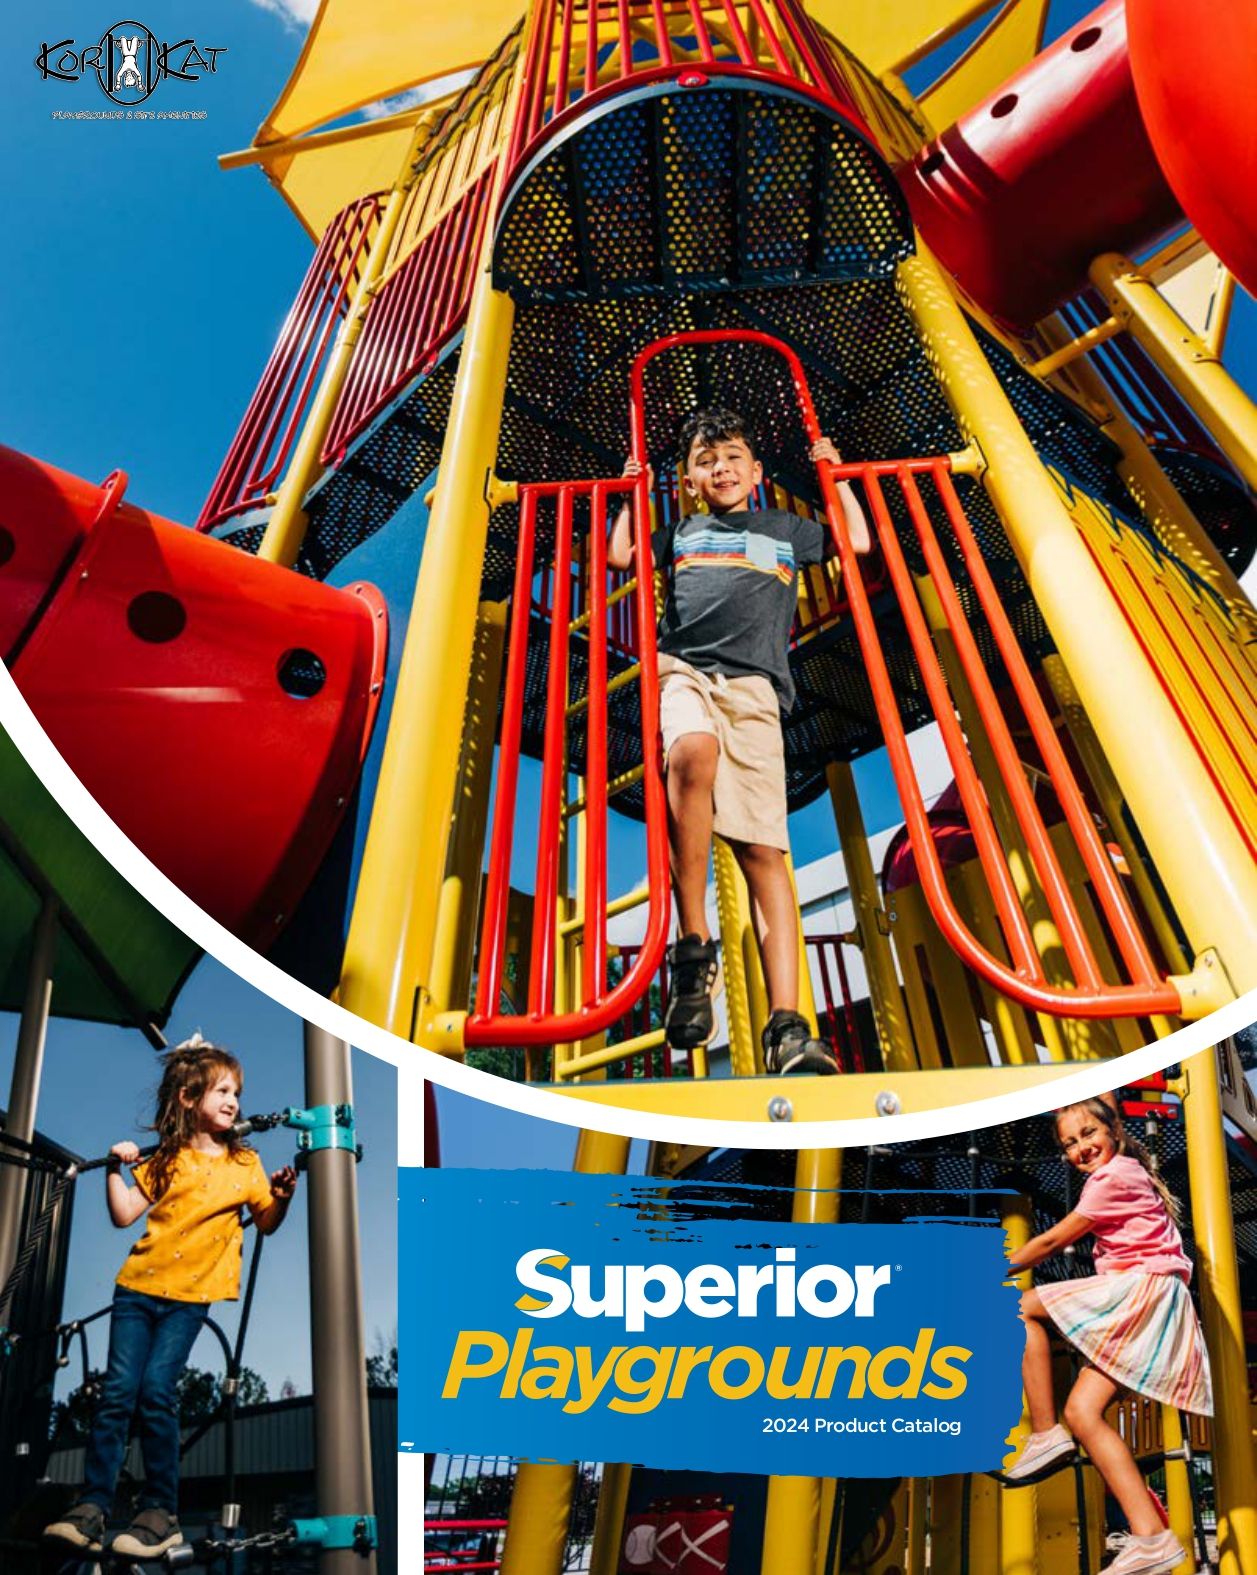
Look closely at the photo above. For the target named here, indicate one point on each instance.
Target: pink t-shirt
(1130, 1224)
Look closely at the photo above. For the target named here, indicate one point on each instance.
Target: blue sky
(144, 288)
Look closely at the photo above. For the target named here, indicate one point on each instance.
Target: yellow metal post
(1178, 1491)
(890, 1014)
(541, 1501)
(746, 999)
(286, 527)
(604, 1556)
(807, 995)
(827, 1533)
(793, 1513)
(453, 942)
(1196, 847)
(1017, 1505)
(1234, 1472)
(388, 954)
(1184, 357)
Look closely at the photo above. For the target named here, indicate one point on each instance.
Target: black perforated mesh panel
(920, 1180)
(381, 471)
(1217, 499)
(707, 188)
(568, 417)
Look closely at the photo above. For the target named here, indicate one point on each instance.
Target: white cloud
(295, 14)
(413, 97)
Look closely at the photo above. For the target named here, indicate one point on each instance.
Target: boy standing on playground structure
(196, 1184)
(724, 682)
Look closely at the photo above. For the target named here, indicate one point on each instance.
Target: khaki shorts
(744, 717)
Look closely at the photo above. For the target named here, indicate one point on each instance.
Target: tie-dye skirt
(1140, 1330)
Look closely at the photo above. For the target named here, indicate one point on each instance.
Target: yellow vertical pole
(746, 999)
(388, 953)
(541, 1501)
(1178, 1492)
(1195, 846)
(890, 1014)
(829, 1507)
(286, 527)
(604, 1556)
(807, 995)
(1234, 1471)
(1017, 1505)
(453, 941)
(792, 1516)
(1184, 357)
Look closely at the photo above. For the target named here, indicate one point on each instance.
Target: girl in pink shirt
(1133, 1321)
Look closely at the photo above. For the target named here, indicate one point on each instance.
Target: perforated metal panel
(567, 417)
(381, 471)
(919, 1180)
(711, 187)
(1218, 500)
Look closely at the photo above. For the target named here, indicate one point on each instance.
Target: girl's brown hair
(1111, 1118)
(189, 1071)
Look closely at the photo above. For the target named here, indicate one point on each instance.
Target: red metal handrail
(415, 312)
(268, 429)
(1026, 981)
(576, 38)
(598, 1006)
(839, 1025)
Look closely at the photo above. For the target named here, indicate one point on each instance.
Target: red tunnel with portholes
(217, 706)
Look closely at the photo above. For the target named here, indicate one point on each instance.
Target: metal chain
(262, 1541)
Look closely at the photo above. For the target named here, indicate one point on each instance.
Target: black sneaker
(790, 1047)
(689, 1021)
(80, 1527)
(152, 1533)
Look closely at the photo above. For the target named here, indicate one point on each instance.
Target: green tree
(382, 1363)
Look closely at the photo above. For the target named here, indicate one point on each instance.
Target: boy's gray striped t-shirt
(733, 591)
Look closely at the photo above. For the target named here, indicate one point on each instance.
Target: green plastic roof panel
(118, 960)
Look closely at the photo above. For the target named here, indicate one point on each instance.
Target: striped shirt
(732, 591)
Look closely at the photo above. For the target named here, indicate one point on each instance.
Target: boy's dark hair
(713, 426)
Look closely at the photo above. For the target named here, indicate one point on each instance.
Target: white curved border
(26, 732)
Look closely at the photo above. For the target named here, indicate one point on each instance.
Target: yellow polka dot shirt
(191, 1250)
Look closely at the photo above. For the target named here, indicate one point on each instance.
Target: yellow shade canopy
(318, 180)
(358, 52)
(363, 52)
(1011, 41)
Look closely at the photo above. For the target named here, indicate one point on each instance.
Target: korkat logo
(129, 61)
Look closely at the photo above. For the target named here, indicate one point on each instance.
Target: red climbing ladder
(1144, 991)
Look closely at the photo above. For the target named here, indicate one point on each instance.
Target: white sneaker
(1041, 1453)
(1149, 1555)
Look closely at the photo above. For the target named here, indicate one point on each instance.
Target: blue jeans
(150, 1339)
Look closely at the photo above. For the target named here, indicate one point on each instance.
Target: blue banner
(553, 1316)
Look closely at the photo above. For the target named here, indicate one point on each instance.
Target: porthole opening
(301, 674)
(156, 616)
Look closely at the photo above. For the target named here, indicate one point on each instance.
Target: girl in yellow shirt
(194, 1189)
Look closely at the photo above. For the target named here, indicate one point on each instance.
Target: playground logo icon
(129, 62)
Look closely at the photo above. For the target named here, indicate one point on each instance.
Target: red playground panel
(218, 706)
